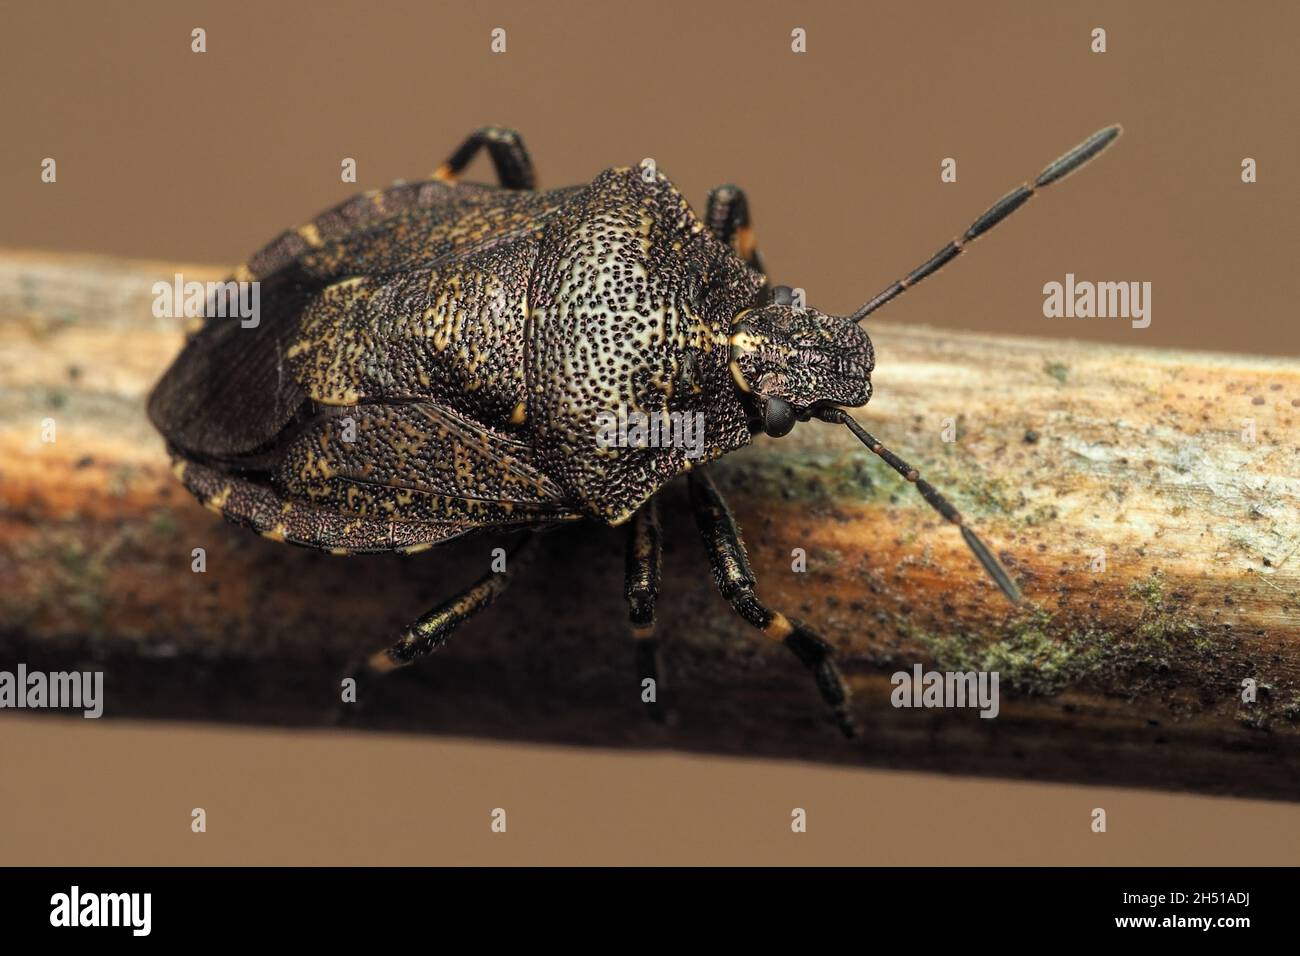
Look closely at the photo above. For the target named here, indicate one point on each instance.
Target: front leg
(641, 587)
(736, 581)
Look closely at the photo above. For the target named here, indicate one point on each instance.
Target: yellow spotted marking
(341, 552)
(745, 243)
(178, 469)
(416, 548)
(218, 501)
(381, 662)
(519, 415)
(779, 628)
(310, 235)
(736, 374)
(275, 534)
(340, 398)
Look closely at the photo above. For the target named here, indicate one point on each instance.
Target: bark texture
(1148, 502)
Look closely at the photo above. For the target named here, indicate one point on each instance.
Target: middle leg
(727, 217)
(736, 581)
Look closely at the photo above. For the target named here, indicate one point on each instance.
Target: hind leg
(506, 147)
(431, 631)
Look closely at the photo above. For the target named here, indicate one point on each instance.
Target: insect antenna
(1004, 207)
(1001, 577)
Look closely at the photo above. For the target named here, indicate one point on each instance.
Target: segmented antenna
(1004, 207)
(1001, 577)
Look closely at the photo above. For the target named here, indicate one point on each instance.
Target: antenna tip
(1001, 577)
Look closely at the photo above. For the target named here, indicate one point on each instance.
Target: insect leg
(505, 146)
(430, 632)
(727, 217)
(735, 580)
(644, 550)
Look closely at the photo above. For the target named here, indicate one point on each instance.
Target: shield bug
(434, 359)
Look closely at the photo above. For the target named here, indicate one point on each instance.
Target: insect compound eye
(778, 417)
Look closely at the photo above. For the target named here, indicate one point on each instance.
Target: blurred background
(167, 154)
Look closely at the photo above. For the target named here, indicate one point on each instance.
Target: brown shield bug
(437, 358)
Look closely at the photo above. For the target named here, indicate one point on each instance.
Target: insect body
(431, 360)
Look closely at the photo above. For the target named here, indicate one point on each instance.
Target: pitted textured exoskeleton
(431, 360)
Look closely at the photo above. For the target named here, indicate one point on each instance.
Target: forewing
(386, 478)
(417, 462)
(406, 228)
(229, 393)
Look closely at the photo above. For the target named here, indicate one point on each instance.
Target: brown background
(163, 153)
